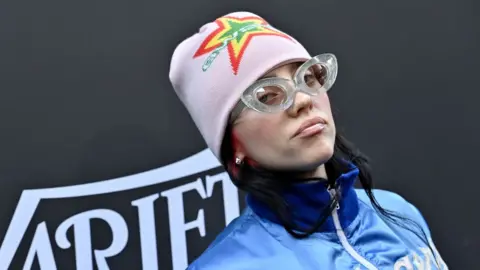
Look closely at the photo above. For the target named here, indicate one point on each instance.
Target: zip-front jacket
(354, 237)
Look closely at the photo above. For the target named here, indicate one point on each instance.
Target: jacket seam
(257, 219)
(240, 226)
(323, 237)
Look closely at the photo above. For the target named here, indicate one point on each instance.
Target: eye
(315, 76)
(268, 98)
(270, 95)
(310, 78)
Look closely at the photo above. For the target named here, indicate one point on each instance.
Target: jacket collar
(308, 200)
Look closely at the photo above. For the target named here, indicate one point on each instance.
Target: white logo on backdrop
(42, 248)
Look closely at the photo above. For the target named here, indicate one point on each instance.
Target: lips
(310, 127)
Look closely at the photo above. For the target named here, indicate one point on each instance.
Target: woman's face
(273, 139)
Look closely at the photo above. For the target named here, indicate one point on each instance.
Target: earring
(238, 161)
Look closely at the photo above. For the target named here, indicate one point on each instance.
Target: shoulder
(394, 202)
(239, 246)
(387, 199)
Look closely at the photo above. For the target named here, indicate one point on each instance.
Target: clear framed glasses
(271, 95)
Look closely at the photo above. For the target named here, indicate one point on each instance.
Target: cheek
(322, 102)
(259, 133)
(260, 130)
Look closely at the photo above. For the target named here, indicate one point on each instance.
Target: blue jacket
(353, 237)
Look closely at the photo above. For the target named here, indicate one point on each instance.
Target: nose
(302, 103)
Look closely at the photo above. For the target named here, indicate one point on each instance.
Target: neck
(319, 172)
(308, 201)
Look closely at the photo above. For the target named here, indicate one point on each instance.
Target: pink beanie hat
(210, 70)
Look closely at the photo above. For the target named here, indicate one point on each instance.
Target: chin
(319, 153)
(322, 156)
(312, 162)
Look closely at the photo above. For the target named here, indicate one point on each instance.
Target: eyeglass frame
(328, 61)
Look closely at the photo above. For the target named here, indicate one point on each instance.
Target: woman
(260, 101)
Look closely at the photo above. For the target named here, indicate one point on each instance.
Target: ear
(239, 155)
(238, 149)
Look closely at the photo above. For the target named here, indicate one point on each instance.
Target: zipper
(343, 238)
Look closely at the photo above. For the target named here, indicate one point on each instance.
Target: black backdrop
(85, 97)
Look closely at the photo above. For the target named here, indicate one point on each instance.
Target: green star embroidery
(238, 26)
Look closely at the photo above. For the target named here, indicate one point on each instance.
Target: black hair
(267, 186)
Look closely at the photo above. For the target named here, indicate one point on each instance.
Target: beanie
(210, 70)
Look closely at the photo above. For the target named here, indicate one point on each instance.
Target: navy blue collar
(308, 200)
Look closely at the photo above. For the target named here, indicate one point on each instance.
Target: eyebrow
(269, 76)
(293, 69)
